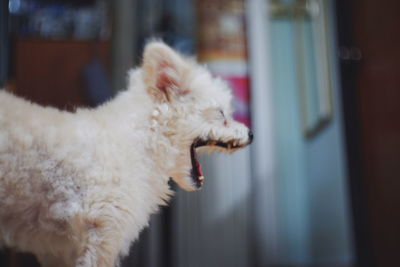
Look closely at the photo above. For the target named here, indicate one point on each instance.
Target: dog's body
(77, 188)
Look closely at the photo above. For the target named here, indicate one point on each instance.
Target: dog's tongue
(198, 166)
(196, 173)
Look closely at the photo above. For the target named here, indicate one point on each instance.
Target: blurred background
(318, 82)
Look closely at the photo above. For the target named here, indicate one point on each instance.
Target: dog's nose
(250, 137)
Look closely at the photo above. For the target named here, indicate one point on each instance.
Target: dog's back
(29, 199)
(64, 174)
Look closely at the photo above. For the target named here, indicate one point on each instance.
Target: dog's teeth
(201, 179)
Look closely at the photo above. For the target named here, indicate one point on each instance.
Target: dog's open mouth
(196, 173)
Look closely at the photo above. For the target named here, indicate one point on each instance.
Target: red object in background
(241, 101)
(222, 45)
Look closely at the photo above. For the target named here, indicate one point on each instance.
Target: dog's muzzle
(228, 146)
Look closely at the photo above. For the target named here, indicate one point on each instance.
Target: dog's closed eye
(222, 115)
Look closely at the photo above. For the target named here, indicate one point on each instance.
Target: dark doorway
(369, 49)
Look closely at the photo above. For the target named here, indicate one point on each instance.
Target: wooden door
(371, 96)
(52, 72)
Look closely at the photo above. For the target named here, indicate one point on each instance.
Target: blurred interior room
(318, 81)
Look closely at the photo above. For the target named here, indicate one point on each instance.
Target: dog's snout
(250, 137)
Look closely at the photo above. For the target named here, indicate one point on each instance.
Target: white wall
(211, 226)
(311, 183)
(264, 224)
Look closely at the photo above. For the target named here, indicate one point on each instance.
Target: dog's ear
(163, 71)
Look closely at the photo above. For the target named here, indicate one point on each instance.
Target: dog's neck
(135, 117)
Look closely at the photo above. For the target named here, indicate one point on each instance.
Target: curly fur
(77, 188)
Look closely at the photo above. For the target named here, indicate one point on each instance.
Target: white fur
(77, 188)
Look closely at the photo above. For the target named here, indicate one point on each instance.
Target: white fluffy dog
(77, 188)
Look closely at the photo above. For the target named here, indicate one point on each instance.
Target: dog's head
(194, 109)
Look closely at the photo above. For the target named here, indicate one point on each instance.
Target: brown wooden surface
(377, 33)
(51, 72)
